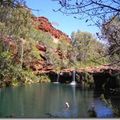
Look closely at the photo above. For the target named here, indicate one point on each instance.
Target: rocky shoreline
(88, 77)
(102, 77)
(91, 70)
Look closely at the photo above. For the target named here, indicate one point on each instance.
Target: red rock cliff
(46, 26)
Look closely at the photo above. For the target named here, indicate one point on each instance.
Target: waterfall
(58, 76)
(73, 82)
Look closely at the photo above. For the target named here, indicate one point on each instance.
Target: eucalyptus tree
(87, 49)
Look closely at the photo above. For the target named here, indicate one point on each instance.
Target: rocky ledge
(46, 26)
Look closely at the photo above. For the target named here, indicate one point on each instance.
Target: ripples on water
(48, 101)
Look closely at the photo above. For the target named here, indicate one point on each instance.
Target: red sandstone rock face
(46, 26)
(8, 42)
(40, 65)
(41, 47)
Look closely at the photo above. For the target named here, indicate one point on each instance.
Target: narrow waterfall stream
(73, 81)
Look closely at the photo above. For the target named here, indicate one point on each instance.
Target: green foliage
(17, 29)
(88, 80)
(16, 23)
(87, 50)
(42, 37)
(12, 18)
(43, 78)
(58, 61)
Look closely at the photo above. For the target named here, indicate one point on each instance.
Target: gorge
(34, 55)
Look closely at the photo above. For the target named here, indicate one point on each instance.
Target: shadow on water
(49, 101)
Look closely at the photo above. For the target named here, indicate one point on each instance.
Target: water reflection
(48, 100)
(102, 110)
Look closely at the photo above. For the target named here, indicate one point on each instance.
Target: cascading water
(58, 77)
(73, 82)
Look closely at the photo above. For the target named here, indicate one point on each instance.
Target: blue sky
(67, 24)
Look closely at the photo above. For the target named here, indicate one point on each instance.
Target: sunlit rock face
(43, 24)
(46, 26)
(42, 64)
(8, 43)
(41, 47)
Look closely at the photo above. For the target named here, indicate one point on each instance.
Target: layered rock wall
(44, 25)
